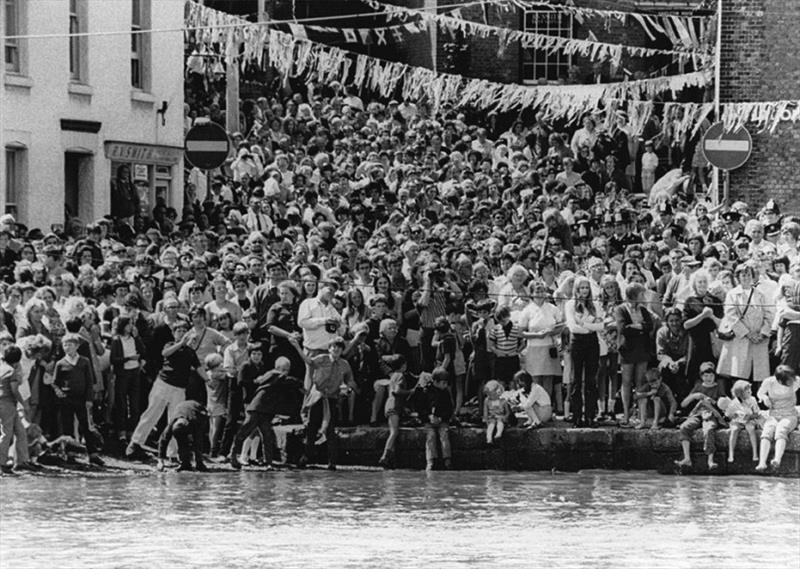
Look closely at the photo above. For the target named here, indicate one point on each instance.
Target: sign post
(726, 151)
(207, 146)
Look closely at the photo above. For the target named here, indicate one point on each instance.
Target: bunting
(594, 50)
(299, 57)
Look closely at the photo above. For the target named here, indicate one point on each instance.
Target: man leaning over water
(329, 372)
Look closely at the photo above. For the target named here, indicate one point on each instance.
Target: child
(217, 399)
(704, 396)
(275, 395)
(660, 394)
(480, 365)
(188, 426)
(496, 411)
(439, 410)
(74, 386)
(505, 342)
(649, 166)
(394, 405)
(536, 402)
(743, 412)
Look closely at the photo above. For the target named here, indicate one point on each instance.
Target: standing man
(320, 322)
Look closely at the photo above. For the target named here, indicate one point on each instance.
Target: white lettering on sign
(727, 145)
(207, 145)
(130, 152)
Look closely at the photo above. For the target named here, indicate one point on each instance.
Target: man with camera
(320, 322)
(437, 290)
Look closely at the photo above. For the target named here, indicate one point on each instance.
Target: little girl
(743, 412)
(217, 399)
(496, 411)
(649, 166)
(535, 401)
(394, 405)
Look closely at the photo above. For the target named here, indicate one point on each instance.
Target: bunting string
(594, 50)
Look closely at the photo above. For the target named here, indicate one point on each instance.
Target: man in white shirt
(320, 322)
(255, 219)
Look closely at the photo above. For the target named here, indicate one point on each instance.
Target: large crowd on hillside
(361, 262)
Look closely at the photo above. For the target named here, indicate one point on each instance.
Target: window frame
(559, 24)
(139, 44)
(13, 179)
(13, 27)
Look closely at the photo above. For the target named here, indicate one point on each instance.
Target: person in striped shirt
(505, 342)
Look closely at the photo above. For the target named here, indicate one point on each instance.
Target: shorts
(779, 429)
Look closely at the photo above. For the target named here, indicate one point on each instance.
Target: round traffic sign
(727, 150)
(207, 146)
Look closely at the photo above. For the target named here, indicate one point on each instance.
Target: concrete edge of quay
(552, 448)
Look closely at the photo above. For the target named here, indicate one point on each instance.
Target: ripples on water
(313, 519)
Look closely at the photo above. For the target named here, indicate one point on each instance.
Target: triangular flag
(350, 35)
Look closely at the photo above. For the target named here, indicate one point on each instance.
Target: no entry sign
(207, 146)
(727, 150)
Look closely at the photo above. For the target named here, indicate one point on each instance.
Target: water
(400, 519)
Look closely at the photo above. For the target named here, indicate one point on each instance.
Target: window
(74, 42)
(13, 28)
(140, 44)
(13, 178)
(539, 64)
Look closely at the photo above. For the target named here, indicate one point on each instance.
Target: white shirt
(311, 317)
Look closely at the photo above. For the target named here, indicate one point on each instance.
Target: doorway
(78, 176)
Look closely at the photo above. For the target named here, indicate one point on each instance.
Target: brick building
(759, 61)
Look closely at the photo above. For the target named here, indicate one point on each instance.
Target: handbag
(553, 349)
(727, 334)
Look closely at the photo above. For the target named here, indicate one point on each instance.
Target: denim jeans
(11, 428)
(585, 354)
(434, 432)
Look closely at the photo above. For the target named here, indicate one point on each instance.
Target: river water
(310, 519)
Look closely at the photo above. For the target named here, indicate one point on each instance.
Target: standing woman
(608, 375)
(515, 294)
(541, 326)
(634, 330)
(702, 312)
(584, 319)
(127, 356)
(789, 328)
(745, 329)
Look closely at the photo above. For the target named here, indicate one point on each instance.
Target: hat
(690, 261)
(772, 207)
(707, 366)
(664, 209)
(731, 216)
(772, 229)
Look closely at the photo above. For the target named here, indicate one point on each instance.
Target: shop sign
(148, 153)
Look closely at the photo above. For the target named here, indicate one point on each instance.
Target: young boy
(439, 412)
(276, 393)
(660, 394)
(505, 341)
(703, 396)
(328, 373)
(216, 399)
(189, 426)
(74, 386)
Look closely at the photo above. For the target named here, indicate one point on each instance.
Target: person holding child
(703, 415)
(778, 394)
(275, 394)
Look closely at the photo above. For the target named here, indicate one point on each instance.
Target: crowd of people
(387, 263)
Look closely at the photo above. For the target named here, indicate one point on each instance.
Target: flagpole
(715, 176)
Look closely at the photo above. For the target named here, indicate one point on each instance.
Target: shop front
(152, 170)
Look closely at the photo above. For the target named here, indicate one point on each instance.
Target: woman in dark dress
(282, 324)
(702, 314)
(634, 332)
